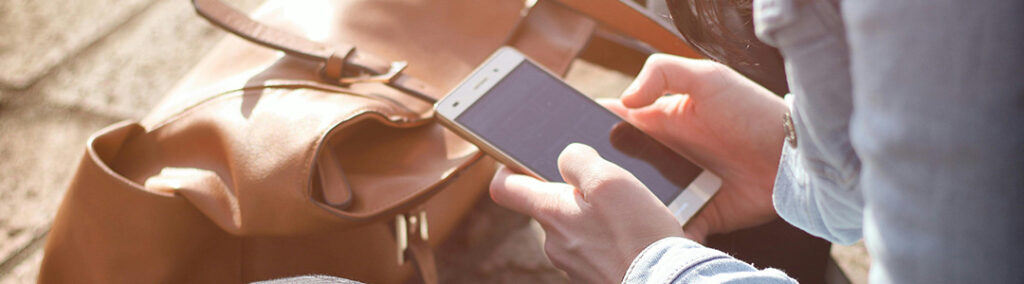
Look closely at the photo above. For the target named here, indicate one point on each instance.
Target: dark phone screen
(531, 116)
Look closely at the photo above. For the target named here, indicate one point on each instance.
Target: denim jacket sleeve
(678, 260)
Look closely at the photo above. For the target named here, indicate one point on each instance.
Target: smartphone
(524, 116)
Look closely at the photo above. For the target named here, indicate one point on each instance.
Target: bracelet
(787, 125)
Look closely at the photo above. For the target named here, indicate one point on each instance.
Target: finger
(696, 229)
(652, 119)
(628, 114)
(526, 195)
(576, 162)
(663, 74)
(700, 239)
(615, 106)
(582, 167)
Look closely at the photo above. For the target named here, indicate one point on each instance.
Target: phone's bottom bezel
(695, 196)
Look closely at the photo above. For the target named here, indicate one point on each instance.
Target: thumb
(528, 195)
(615, 106)
(583, 167)
(653, 118)
(697, 229)
(664, 73)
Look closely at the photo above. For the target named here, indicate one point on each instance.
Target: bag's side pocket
(106, 220)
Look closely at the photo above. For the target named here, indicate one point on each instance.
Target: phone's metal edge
(488, 148)
(441, 105)
(443, 114)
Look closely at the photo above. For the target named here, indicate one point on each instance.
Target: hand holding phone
(596, 222)
(725, 121)
(524, 116)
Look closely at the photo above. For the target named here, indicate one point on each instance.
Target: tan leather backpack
(322, 159)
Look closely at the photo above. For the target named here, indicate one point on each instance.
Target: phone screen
(531, 116)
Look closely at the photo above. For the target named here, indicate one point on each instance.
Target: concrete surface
(71, 67)
(127, 72)
(40, 146)
(495, 245)
(37, 35)
(78, 72)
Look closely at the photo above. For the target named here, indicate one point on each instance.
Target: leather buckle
(387, 78)
(406, 225)
(334, 67)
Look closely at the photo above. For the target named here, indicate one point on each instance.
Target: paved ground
(64, 75)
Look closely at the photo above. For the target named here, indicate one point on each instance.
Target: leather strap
(340, 65)
(550, 32)
(424, 257)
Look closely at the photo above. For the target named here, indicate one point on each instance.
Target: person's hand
(602, 217)
(597, 222)
(724, 122)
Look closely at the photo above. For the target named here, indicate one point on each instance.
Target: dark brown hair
(723, 30)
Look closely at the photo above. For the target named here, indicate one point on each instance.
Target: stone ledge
(38, 35)
(127, 73)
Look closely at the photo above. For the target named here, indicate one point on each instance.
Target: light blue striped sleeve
(817, 187)
(820, 199)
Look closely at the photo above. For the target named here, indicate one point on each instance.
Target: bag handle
(341, 65)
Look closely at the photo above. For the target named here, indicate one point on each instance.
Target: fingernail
(572, 145)
(579, 146)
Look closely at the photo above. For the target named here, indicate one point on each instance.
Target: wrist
(789, 138)
(777, 137)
